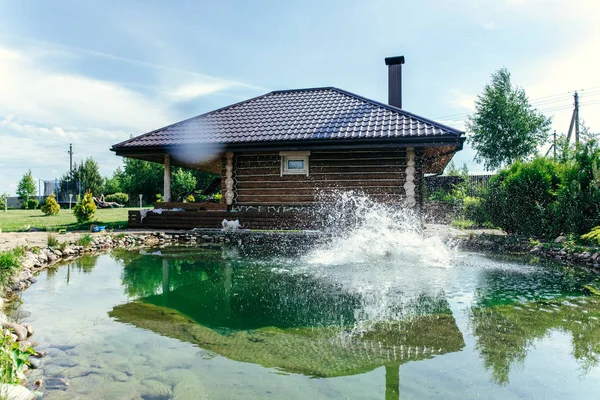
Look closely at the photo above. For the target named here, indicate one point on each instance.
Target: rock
(55, 384)
(35, 363)
(19, 330)
(189, 388)
(65, 362)
(20, 314)
(58, 253)
(42, 257)
(151, 389)
(52, 257)
(15, 392)
(560, 239)
(1, 303)
(594, 257)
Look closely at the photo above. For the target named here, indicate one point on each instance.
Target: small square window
(294, 162)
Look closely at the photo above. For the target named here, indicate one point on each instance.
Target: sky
(95, 73)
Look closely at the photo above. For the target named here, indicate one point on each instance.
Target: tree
(142, 177)
(182, 183)
(26, 188)
(3, 200)
(87, 173)
(504, 127)
(114, 184)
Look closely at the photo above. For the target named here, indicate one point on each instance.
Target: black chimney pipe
(395, 80)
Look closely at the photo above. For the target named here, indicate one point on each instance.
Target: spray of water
(360, 230)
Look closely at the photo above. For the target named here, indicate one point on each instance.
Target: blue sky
(94, 73)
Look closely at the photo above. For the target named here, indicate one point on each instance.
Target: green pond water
(237, 322)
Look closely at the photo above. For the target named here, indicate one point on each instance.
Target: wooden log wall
(379, 174)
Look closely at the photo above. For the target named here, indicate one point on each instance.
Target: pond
(353, 321)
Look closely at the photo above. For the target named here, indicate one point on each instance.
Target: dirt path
(10, 240)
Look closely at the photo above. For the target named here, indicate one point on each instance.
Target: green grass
(10, 263)
(23, 220)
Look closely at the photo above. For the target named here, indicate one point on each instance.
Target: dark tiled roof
(295, 115)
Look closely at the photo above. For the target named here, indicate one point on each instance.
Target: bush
(31, 204)
(472, 209)
(85, 210)
(218, 197)
(50, 206)
(121, 198)
(190, 198)
(85, 240)
(578, 207)
(593, 236)
(521, 199)
(52, 241)
(9, 263)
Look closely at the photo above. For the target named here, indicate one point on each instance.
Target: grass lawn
(23, 220)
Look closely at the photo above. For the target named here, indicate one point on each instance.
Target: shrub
(52, 241)
(190, 198)
(121, 198)
(593, 236)
(218, 197)
(50, 206)
(578, 206)
(472, 209)
(85, 240)
(31, 204)
(159, 198)
(9, 263)
(85, 210)
(520, 199)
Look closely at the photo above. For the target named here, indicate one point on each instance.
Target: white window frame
(293, 156)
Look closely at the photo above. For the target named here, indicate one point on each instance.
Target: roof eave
(316, 144)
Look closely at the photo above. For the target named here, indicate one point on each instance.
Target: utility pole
(70, 159)
(554, 145)
(574, 121)
(576, 118)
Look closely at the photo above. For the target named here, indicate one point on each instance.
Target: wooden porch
(211, 215)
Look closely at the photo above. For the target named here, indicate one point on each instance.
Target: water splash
(360, 230)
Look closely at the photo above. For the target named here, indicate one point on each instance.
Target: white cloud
(466, 101)
(32, 92)
(193, 90)
(43, 110)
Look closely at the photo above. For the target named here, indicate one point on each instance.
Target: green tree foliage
(3, 200)
(521, 198)
(26, 188)
(505, 128)
(121, 198)
(50, 206)
(578, 207)
(87, 173)
(86, 210)
(182, 183)
(114, 184)
(142, 177)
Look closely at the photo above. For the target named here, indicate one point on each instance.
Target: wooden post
(167, 179)
(409, 185)
(229, 179)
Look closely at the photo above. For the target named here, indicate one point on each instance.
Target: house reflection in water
(295, 322)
